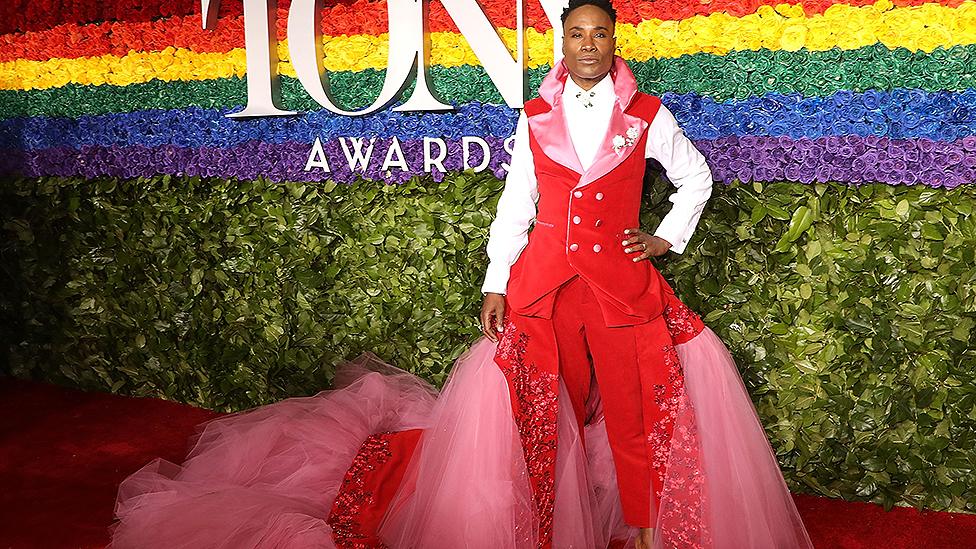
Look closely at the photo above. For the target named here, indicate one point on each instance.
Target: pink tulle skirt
(333, 471)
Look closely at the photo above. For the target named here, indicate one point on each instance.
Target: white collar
(587, 98)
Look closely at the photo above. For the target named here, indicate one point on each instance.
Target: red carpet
(63, 453)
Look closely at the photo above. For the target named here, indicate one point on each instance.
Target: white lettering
(509, 148)
(357, 155)
(409, 53)
(261, 52)
(439, 161)
(389, 162)
(554, 11)
(506, 72)
(316, 158)
(466, 141)
(406, 45)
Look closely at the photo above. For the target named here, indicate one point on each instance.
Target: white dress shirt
(588, 118)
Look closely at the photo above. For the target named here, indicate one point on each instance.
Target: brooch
(620, 141)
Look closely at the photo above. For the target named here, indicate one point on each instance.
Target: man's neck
(587, 83)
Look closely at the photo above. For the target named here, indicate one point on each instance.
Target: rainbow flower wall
(826, 91)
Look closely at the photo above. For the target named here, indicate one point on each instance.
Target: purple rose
(822, 173)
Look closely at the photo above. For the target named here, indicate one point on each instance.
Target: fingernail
(627, 250)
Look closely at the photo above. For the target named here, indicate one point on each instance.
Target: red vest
(579, 230)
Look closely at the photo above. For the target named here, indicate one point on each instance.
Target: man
(578, 295)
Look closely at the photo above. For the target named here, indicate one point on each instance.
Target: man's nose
(588, 43)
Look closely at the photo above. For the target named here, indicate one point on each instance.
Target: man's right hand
(492, 315)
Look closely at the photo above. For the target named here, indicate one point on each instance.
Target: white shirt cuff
(496, 278)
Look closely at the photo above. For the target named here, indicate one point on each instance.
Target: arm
(516, 211)
(686, 168)
(510, 230)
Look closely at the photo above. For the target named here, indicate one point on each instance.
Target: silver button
(599, 196)
(597, 248)
(578, 194)
(573, 247)
(576, 219)
(598, 223)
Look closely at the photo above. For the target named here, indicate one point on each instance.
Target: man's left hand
(645, 245)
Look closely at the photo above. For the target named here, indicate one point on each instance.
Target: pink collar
(624, 83)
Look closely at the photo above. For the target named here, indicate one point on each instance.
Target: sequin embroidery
(353, 496)
(683, 324)
(535, 415)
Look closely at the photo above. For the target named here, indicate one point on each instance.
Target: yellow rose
(794, 37)
(235, 62)
(540, 47)
(770, 34)
(792, 11)
(883, 5)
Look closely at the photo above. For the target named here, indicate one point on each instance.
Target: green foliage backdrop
(849, 310)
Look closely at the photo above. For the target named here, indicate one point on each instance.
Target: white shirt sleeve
(516, 212)
(686, 168)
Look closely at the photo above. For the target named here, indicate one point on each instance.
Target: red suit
(576, 299)
(582, 216)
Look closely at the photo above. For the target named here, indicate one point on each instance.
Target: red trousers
(636, 370)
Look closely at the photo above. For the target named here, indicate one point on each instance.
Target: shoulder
(536, 106)
(645, 106)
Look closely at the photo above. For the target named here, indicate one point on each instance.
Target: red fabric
(639, 378)
(370, 484)
(559, 248)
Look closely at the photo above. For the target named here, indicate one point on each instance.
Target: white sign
(409, 53)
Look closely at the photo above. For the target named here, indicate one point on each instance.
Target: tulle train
(269, 477)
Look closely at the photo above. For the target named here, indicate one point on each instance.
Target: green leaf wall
(850, 310)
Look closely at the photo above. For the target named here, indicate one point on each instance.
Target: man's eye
(577, 35)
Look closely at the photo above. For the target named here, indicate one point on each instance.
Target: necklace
(586, 98)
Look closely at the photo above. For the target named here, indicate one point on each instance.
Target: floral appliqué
(667, 398)
(683, 324)
(676, 453)
(535, 403)
(628, 140)
(353, 496)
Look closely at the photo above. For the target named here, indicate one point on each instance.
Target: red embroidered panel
(683, 323)
(368, 488)
(534, 401)
(683, 500)
(676, 453)
(667, 401)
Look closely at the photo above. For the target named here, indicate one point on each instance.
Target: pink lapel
(549, 128)
(625, 87)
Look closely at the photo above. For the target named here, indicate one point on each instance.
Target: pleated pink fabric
(467, 484)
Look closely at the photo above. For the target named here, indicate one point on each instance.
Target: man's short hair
(604, 5)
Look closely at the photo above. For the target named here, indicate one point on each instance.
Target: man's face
(588, 45)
